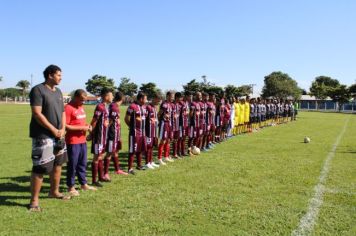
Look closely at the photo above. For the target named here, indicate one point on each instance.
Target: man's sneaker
(169, 159)
(149, 166)
(97, 184)
(154, 165)
(131, 172)
(161, 162)
(121, 172)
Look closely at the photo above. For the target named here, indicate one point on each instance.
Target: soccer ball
(306, 140)
(195, 151)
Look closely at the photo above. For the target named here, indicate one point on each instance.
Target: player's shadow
(13, 189)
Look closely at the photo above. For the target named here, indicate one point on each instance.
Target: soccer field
(263, 183)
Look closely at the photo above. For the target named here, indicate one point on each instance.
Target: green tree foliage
(24, 85)
(352, 90)
(10, 92)
(340, 94)
(244, 90)
(231, 90)
(97, 82)
(150, 89)
(280, 85)
(127, 88)
(192, 86)
(322, 86)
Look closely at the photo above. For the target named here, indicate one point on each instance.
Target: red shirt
(75, 115)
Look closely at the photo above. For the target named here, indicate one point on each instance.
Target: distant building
(308, 102)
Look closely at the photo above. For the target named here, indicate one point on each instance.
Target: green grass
(257, 184)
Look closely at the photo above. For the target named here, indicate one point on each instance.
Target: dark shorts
(194, 132)
(151, 142)
(137, 144)
(45, 157)
(113, 146)
(98, 148)
(165, 131)
(252, 119)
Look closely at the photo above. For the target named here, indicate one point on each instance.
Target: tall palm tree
(24, 85)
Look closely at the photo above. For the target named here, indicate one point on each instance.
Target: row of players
(188, 123)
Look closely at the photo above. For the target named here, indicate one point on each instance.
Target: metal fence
(327, 106)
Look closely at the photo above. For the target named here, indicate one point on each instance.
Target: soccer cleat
(121, 172)
(141, 168)
(161, 162)
(169, 159)
(97, 184)
(149, 166)
(131, 172)
(154, 165)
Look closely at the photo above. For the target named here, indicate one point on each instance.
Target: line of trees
(276, 85)
(324, 86)
(21, 89)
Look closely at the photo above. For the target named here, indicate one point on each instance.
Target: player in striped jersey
(194, 124)
(210, 120)
(136, 121)
(184, 122)
(165, 128)
(152, 130)
(203, 121)
(176, 124)
(100, 124)
(114, 143)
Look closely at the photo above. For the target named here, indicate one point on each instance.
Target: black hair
(50, 70)
(212, 94)
(118, 96)
(168, 94)
(79, 92)
(140, 95)
(177, 95)
(205, 94)
(187, 93)
(105, 91)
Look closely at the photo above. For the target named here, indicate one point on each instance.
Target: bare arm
(42, 120)
(127, 119)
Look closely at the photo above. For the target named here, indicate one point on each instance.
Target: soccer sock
(175, 147)
(166, 149)
(203, 141)
(190, 142)
(130, 160)
(182, 145)
(150, 155)
(115, 159)
(147, 156)
(101, 169)
(106, 165)
(94, 171)
(179, 143)
(139, 159)
(160, 150)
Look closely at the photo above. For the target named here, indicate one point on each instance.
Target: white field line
(308, 221)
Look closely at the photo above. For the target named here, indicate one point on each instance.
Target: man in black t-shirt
(47, 129)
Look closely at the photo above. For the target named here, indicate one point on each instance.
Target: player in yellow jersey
(242, 115)
(247, 114)
(236, 115)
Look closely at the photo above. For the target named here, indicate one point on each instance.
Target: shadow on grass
(19, 185)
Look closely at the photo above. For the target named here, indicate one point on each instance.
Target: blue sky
(171, 42)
